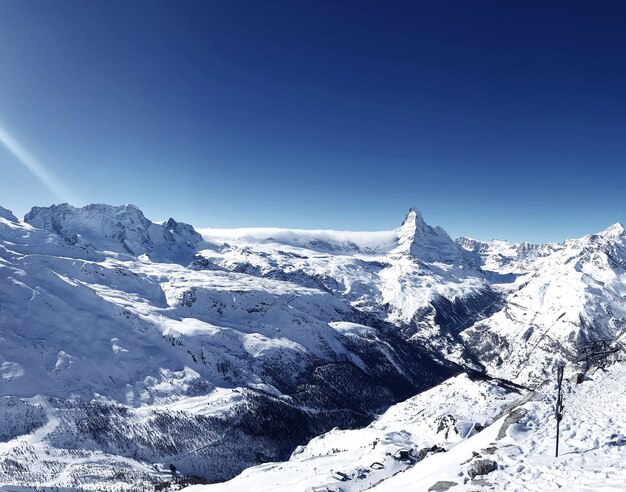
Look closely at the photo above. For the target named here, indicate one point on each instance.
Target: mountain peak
(419, 240)
(414, 212)
(614, 230)
(118, 229)
(413, 223)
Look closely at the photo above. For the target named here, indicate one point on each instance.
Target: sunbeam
(34, 166)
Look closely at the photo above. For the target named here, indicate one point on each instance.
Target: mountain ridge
(116, 321)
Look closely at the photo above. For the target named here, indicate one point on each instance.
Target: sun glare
(33, 165)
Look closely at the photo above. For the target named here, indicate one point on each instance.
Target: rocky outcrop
(513, 418)
(481, 467)
(7, 214)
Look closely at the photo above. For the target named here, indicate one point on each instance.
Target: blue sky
(495, 119)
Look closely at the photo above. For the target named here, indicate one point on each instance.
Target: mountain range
(129, 345)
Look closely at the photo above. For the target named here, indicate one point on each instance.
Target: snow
(412, 424)
(123, 230)
(100, 306)
(592, 444)
(571, 292)
(429, 244)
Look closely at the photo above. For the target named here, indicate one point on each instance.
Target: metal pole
(559, 407)
(557, 439)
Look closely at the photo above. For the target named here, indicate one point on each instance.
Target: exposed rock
(422, 453)
(442, 486)
(7, 214)
(482, 483)
(513, 418)
(481, 467)
(202, 263)
(446, 424)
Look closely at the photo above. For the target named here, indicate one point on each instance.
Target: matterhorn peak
(413, 215)
(418, 240)
(414, 221)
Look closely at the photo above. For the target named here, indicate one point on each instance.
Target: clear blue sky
(496, 119)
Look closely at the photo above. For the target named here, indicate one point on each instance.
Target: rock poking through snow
(481, 467)
(442, 486)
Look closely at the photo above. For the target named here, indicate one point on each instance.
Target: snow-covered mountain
(123, 230)
(418, 240)
(133, 356)
(558, 297)
(127, 343)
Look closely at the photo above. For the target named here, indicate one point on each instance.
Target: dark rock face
(203, 263)
(454, 316)
(184, 232)
(447, 424)
(481, 467)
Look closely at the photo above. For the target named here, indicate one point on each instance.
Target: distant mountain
(560, 296)
(122, 229)
(127, 342)
(418, 240)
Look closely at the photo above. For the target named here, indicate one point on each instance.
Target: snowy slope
(568, 294)
(519, 438)
(592, 445)
(122, 229)
(415, 277)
